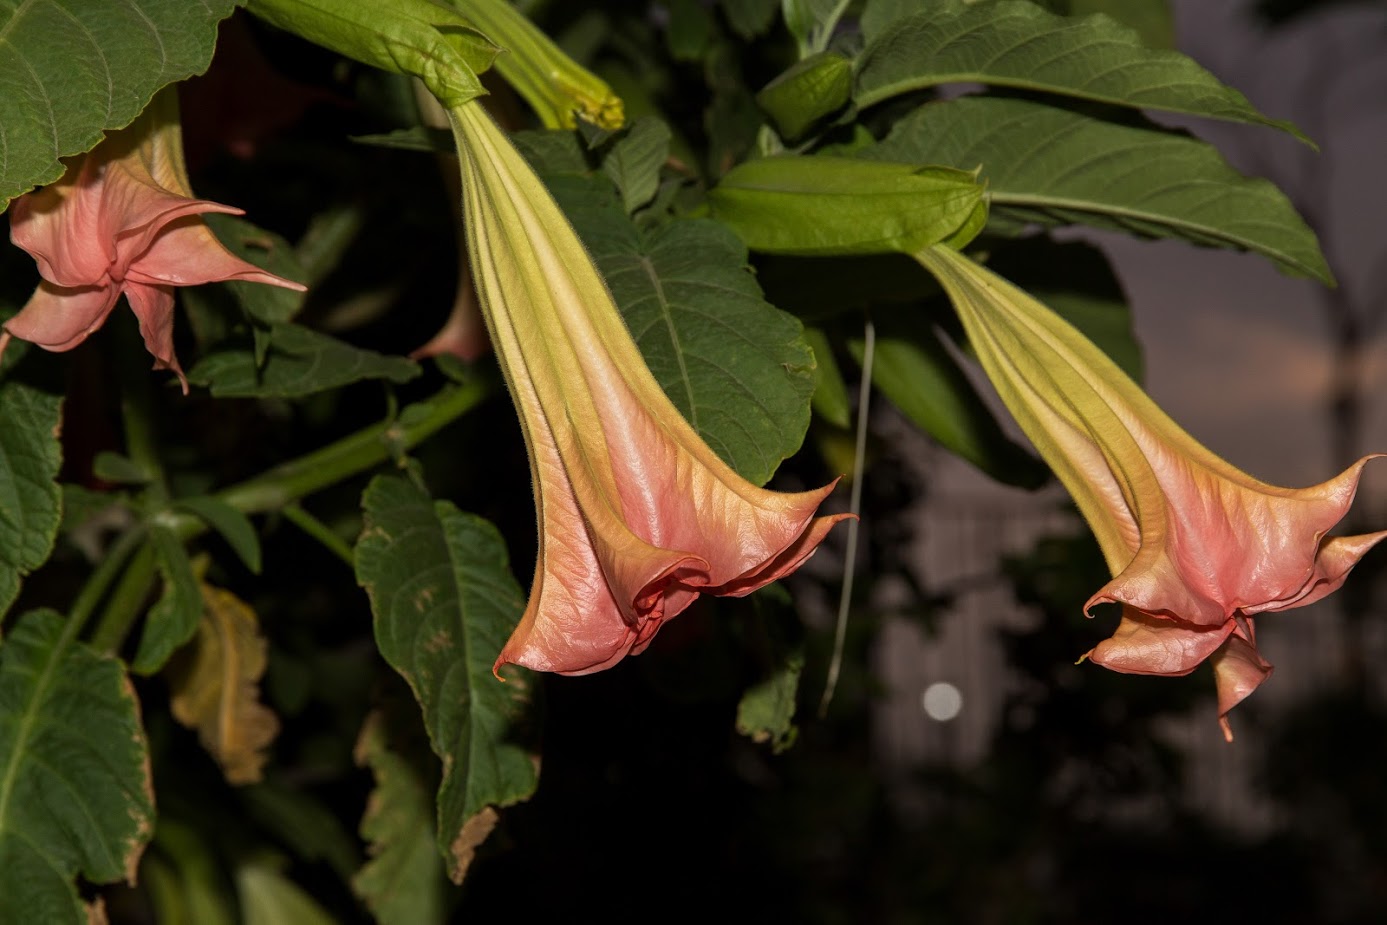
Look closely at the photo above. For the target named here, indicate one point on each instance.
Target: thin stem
(124, 605)
(100, 580)
(349, 456)
(840, 635)
(320, 531)
(282, 486)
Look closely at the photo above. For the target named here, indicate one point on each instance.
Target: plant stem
(320, 531)
(280, 488)
(349, 456)
(99, 581)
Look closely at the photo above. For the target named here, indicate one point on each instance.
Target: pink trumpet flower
(1196, 547)
(121, 221)
(637, 516)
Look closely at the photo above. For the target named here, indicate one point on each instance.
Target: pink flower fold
(121, 221)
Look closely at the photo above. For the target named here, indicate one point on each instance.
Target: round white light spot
(942, 701)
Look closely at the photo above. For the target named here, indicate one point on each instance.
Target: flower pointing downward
(121, 221)
(1197, 548)
(637, 516)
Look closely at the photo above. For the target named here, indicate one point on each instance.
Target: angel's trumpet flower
(1196, 547)
(637, 516)
(121, 221)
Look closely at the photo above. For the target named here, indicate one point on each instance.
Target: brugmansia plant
(622, 196)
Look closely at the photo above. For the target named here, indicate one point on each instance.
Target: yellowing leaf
(215, 687)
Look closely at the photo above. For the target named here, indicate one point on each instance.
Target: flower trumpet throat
(121, 221)
(637, 516)
(1197, 548)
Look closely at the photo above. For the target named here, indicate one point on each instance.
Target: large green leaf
(1049, 165)
(403, 881)
(298, 361)
(807, 92)
(1015, 43)
(734, 365)
(832, 206)
(30, 500)
(70, 69)
(75, 793)
(444, 602)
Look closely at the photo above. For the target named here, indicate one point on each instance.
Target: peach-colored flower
(1196, 546)
(637, 516)
(121, 221)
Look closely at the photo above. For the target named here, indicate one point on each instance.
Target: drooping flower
(1196, 547)
(121, 221)
(637, 516)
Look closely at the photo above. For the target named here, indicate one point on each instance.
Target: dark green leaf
(118, 469)
(830, 400)
(75, 793)
(807, 92)
(812, 22)
(1050, 165)
(914, 369)
(30, 500)
(808, 206)
(735, 366)
(878, 15)
(634, 162)
(552, 152)
(403, 881)
(417, 38)
(299, 362)
(173, 620)
(270, 252)
(444, 603)
(1014, 43)
(304, 823)
(690, 29)
(233, 526)
(750, 18)
(1151, 19)
(72, 69)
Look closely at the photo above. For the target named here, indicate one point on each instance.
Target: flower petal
(58, 318)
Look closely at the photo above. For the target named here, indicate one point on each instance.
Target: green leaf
(75, 793)
(551, 152)
(826, 206)
(914, 369)
(444, 602)
(269, 898)
(30, 499)
(233, 526)
(298, 362)
(303, 822)
(750, 18)
(879, 15)
(173, 620)
(1052, 166)
(403, 882)
(812, 22)
(183, 879)
(635, 160)
(831, 401)
(690, 29)
(72, 69)
(807, 92)
(270, 252)
(1014, 43)
(118, 469)
(417, 38)
(1151, 19)
(736, 367)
